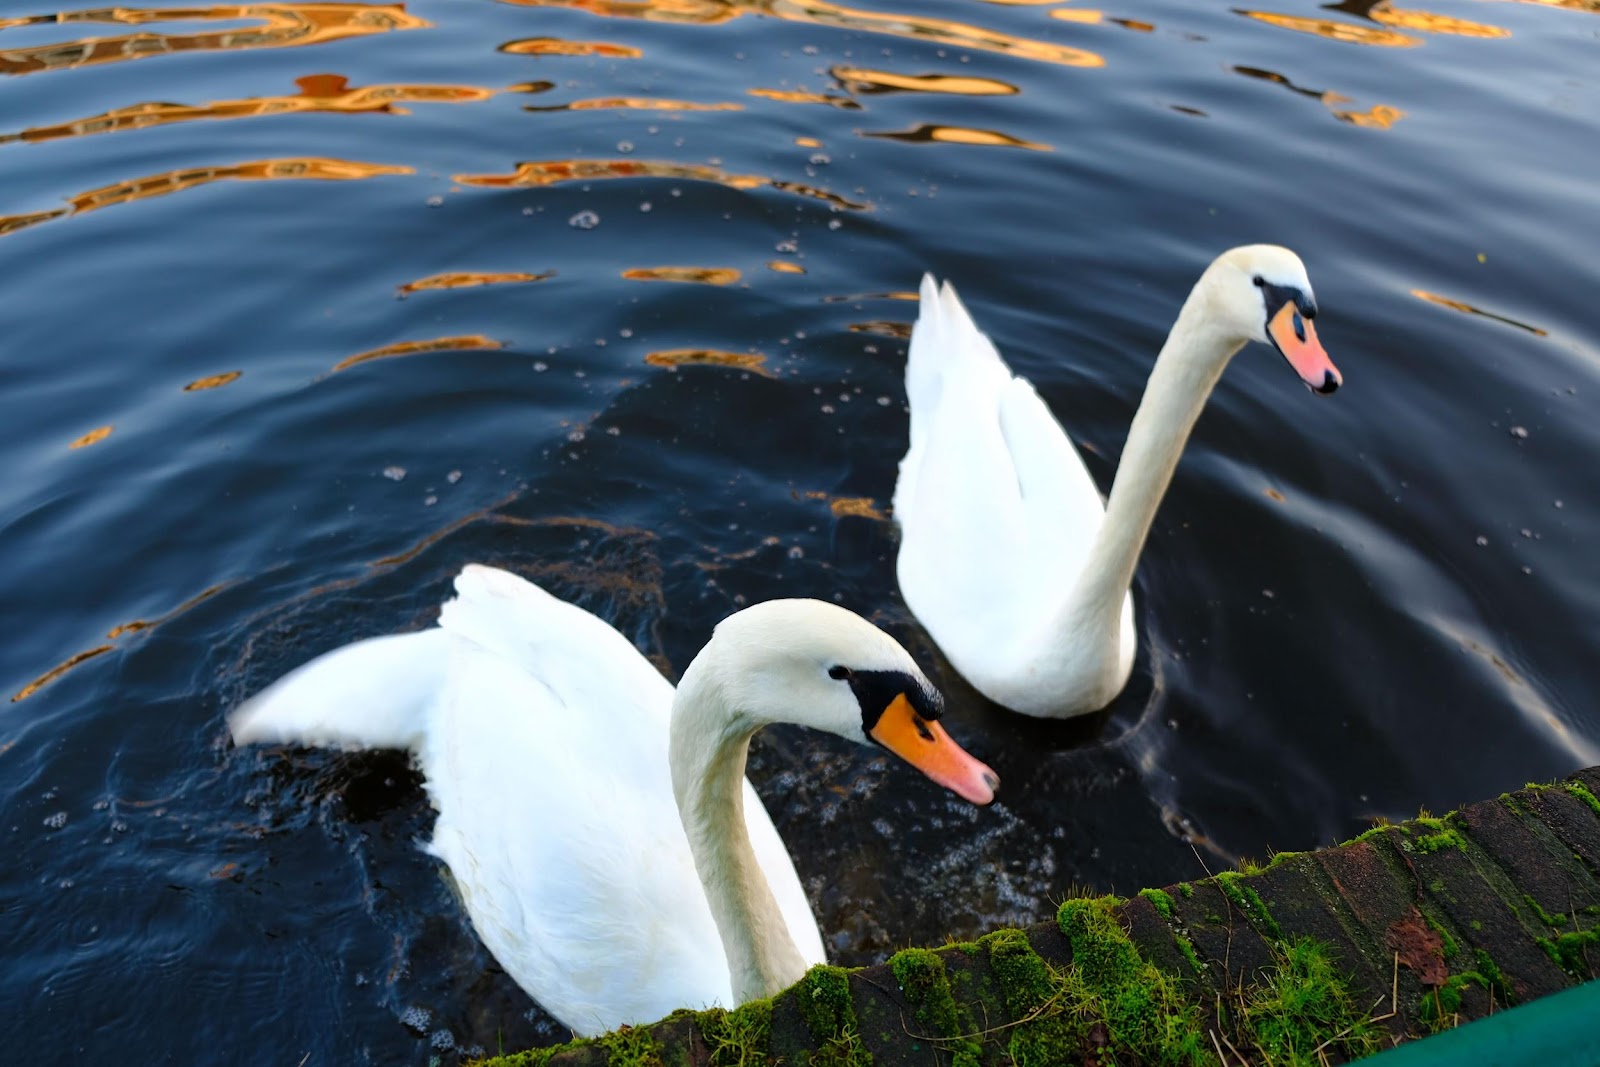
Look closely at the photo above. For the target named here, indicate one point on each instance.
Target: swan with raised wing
(598, 825)
(1008, 556)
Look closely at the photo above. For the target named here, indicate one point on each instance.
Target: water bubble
(540, 366)
(1482, 541)
(834, 224)
(827, 409)
(675, 191)
(527, 211)
(796, 552)
(429, 501)
(625, 332)
(56, 821)
(624, 146)
(584, 220)
(453, 477)
(786, 246)
(1519, 432)
(820, 158)
(1526, 569)
(443, 1040)
(1559, 504)
(394, 474)
(417, 1019)
(436, 201)
(645, 207)
(884, 401)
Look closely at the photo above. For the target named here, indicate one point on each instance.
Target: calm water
(305, 305)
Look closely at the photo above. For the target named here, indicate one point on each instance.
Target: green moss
(1185, 890)
(1248, 901)
(1581, 791)
(1303, 1006)
(1490, 971)
(628, 1046)
(1145, 1011)
(823, 997)
(1570, 951)
(738, 1038)
(1282, 857)
(922, 978)
(1447, 944)
(1186, 947)
(1248, 866)
(1038, 997)
(1544, 916)
(1448, 838)
(1159, 900)
(1376, 830)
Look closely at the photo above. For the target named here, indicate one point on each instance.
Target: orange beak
(1296, 338)
(924, 744)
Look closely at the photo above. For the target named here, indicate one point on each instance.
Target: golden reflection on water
(135, 626)
(461, 343)
(1075, 14)
(794, 96)
(1379, 116)
(556, 46)
(674, 358)
(318, 92)
(822, 13)
(173, 181)
(212, 381)
(783, 266)
(864, 507)
(286, 25)
(635, 103)
(928, 133)
(1380, 11)
(1376, 117)
(1469, 309)
(862, 80)
(883, 328)
(556, 171)
(468, 279)
(1334, 31)
(701, 275)
(94, 436)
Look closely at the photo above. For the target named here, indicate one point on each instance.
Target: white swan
(1007, 554)
(560, 761)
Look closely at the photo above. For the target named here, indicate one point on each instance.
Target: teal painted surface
(1562, 1030)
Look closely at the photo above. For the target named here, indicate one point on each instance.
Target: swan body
(1008, 556)
(544, 738)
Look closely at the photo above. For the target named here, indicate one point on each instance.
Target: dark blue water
(252, 410)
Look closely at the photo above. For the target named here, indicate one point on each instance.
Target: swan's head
(1262, 292)
(823, 666)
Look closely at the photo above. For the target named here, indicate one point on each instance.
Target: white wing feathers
(373, 694)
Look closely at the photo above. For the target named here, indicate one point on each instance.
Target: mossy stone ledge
(1317, 957)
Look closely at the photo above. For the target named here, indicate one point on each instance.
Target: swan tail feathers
(375, 693)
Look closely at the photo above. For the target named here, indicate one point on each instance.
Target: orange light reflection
(286, 26)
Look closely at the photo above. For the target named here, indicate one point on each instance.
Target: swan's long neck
(709, 743)
(1186, 370)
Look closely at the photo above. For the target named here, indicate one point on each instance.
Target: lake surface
(305, 305)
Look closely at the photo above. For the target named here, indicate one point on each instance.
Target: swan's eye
(840, 673)
(1258, 281)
